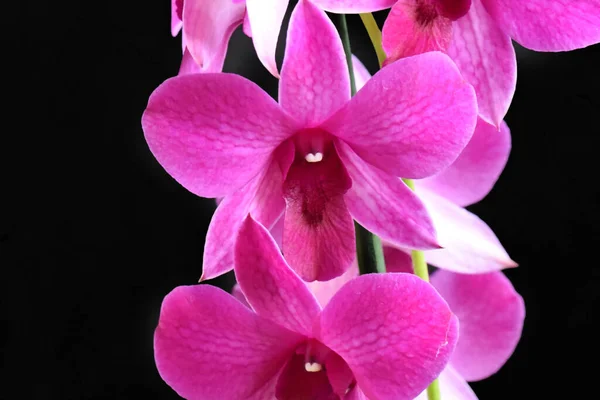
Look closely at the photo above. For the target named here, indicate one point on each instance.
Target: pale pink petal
(394, 331)
(353, 6)
(209, 346)
(385, 205)
(314, 77)
(246, 25)
(188, 64)
(452, 386)
(208, 27)
(318, 231)
(491, 315)
(471, 177)
(486, 58)
(265, 17)
(272, 289)
(412, 119)
(413, 28)
(469, 245)
(176, 14)
(213, 132)
(295, 383)
(324, 291)
(262, 198)
(548, 25)
(361, 73)
(397, 260)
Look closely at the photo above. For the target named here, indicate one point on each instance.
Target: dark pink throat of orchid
(427, 11)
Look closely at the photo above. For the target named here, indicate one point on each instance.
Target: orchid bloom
(319, 157)
(477, 36)
(209, 25)
(468, 244)
(382, 336)
(490, 314)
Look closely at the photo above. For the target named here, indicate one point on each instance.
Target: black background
(93, 233)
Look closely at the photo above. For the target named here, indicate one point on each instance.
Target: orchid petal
(406, 33)
(486, 58)
(452, 386)
(353, 6)
(318, 231)
(412, 119)
(208, 27)
(188, 64)
(474, 173)
(209, 346)
(265, 18)
(396, 348)
(236, 292)
(469, 245)
(361, 73)
(397, 260)
(542, 25)
(213, 132)
(262, 197)
(272, 289)
(385, 205)
(176, 14)
(295, 383)
(314, 77)
(324, 291)
(491, 315)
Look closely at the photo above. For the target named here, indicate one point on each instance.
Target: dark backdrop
(93, 233)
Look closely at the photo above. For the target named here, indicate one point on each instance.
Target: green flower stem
(369, 251)
(374, 34)
(420, 268)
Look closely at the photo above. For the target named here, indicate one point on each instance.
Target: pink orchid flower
(319, 157)
(210, 24)
(468, 244)
(490, 314)
(381, 336)
(477, 36)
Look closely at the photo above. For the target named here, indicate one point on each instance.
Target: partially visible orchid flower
(490, 314)
(382, 336)
(319, 157)
(468, 244)
(477, 36)
(209, 25)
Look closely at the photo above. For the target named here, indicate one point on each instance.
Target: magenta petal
(486, 58)
(272, 289)
(209, 346)
(208, 27)
(543, 25)
(188, 64)
(236, 292)
(265, 18)
(412, 119)
(318, 231)
(394, 331)
(452, 386)
(471, 177)
(314, 77)
(397, 260)
(385, 205)
(491, 315)
(213, 132)
(469, 245)
(176, 14)
(262, 197)
(353, 6)
(413, 27)
(295, 383)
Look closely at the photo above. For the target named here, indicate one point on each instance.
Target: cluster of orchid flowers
(396, 156)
